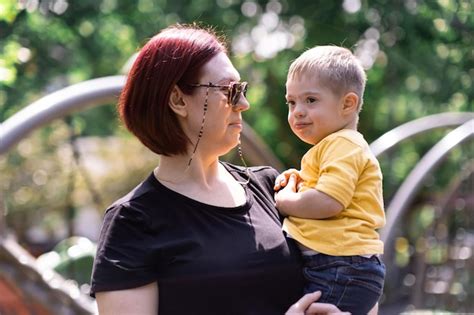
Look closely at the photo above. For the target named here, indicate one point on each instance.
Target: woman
(198, 236)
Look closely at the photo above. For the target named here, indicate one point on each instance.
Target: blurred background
(57, 181)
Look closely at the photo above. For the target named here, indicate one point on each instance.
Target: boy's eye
(311, 100)
(290, 103)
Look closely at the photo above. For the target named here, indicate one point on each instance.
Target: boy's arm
(310, 204)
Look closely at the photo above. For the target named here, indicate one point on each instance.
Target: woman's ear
(350, 103)
(177, 102)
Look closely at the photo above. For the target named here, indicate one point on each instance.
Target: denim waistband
(324, 259)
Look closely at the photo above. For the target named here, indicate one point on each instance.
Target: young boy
(334, 203)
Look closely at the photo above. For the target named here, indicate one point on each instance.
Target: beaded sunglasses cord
(239, 150)
(201, 131)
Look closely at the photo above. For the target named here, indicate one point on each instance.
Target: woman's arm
(141, 300)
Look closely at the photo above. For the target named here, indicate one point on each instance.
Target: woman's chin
(232, 145)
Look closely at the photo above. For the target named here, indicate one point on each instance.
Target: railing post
(3, 213)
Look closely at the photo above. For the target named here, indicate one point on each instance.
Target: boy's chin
(308, 141)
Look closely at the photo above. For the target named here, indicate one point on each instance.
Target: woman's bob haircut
(174, 56)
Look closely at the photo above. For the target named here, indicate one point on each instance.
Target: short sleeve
(341, 165)
(263, 182)
(266, 176)
(123, 258)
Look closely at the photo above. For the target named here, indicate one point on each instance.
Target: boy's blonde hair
(336, 67)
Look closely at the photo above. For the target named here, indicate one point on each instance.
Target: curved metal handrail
(414, 180)
(391, 138)
(58, 104)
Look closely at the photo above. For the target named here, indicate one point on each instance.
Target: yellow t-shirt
(343, 167)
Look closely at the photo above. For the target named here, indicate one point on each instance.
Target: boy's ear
(177, 102)
(350, 103)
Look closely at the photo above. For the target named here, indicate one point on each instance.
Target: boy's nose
(298, 111)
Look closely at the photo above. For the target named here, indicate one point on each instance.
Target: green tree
(418, 55)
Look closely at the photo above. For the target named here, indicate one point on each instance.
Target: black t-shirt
(206, 259)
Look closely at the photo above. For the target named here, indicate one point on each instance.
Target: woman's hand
(306, 306)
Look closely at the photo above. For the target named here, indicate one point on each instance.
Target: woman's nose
(242, 104)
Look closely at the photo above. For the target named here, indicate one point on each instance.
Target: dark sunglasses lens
(236, 89)
(235, 93)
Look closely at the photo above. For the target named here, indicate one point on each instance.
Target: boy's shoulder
(341, 141)
(350, 135)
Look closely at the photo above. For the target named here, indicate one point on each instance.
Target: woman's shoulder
(136, 203)
(139, 190)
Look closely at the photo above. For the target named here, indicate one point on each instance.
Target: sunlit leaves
(8, 10)
(9, 57)
(402, 248)
(407, 48)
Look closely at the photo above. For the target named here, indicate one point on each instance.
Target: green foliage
(418, 55)
(47, 184)
(8, 11)
(419, 61)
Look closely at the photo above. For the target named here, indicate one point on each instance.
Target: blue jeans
(352, 283)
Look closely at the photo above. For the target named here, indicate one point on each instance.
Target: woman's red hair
(174, 56)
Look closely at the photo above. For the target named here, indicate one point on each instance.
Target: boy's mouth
(301, 125)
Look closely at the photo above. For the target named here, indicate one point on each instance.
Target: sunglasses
(234, 89)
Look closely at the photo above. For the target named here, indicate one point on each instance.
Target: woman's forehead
(220, 70)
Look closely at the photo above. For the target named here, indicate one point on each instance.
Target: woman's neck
(176, 170)
(200, 181)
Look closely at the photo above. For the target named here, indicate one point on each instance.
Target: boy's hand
(286, 195)
(282, 179)
(309, 204)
